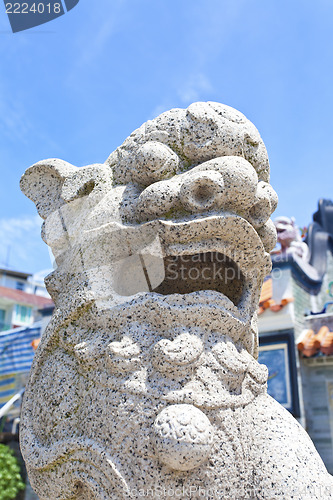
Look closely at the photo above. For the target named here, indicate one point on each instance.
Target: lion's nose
(202, 191)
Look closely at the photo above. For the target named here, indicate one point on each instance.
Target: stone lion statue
(289, 238)
(146, 382)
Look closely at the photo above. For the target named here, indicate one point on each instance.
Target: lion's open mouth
(211, 262)
(202, 271)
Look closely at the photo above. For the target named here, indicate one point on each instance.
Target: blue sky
(76, 87)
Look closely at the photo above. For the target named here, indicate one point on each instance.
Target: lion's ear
(43, 182)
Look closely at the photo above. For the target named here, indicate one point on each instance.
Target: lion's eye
(154, 161)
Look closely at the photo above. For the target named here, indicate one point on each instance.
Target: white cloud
(159, 108)
(13, 122)
(102, 25)
(98, 42)
(21, 246)
(194, 87)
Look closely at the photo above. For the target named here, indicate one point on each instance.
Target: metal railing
(6, 408)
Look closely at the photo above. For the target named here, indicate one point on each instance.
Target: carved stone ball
(183, 437)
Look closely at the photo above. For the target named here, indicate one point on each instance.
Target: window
(22, 313)
(3, 325)
(19, 285)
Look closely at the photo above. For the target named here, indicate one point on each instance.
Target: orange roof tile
(319, 337)
(305, 338)
(24, 297)
(286, 301)
(276, 307)
(321, 342)
(273, 306)
(310, 347)
(266, 301)
(327, 344)
(266, 291)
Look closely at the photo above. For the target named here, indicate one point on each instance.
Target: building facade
(22, 296)
(296, 326)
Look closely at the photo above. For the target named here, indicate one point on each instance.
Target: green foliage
(10, 478)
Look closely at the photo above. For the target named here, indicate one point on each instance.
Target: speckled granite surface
(146, 382)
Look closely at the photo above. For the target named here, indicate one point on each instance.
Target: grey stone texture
(146, 383)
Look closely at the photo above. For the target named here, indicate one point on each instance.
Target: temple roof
(313, 344)
(309, 273)
(266, 298)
